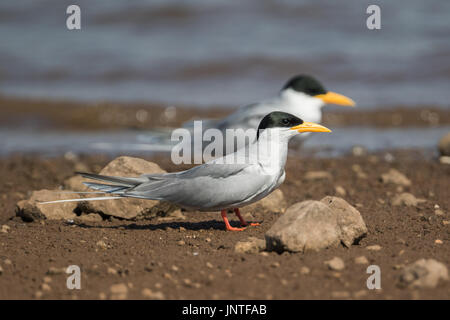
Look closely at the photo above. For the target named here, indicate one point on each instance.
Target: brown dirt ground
(146, 253)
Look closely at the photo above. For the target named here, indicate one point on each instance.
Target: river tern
(303, 96)
(226, 183)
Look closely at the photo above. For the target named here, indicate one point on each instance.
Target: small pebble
(47, 279)
(361, 260)
(153, 295)
(111, 271)
(438, 241)
(374, 247)
(101, 244)
(45, 287)
(304, 270)
(336, 264)
(119, 291)
(275, 264)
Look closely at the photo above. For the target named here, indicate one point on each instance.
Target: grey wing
(208, 186)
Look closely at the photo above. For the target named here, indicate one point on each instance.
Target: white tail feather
(81, 192)
(81, 199)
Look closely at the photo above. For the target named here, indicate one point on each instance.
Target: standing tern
(302, 96)
(230, 182)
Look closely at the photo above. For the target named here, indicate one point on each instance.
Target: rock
(340, 191)
(31, 209)
(274, 202)
(45, 287)
(149, 294)
(349, 219)
(374, 247)
(444, 159)
(119, 291)
(317, 175)
(129, 208)
(91, 217)
(111, 271)
(336, 264)
(102, 244)
(1, 270)
(304, 270)
(5, 228)
(252, 245)
(305, 226)
(406, 199)
(361, 260)
(315, 225)
(75, 183)
(396, 177)
(424, 273)
(444, 145)
(55, 271)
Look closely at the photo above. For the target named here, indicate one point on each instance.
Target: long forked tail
(118, 187)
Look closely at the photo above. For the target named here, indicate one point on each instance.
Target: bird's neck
(302, 105)
(272, 147)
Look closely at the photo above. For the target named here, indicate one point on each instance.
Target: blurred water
(222, 52)
(130, 143)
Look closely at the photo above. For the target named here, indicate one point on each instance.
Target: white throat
(272, 147)
(302, 105)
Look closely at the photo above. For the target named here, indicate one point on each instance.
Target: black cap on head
(305, 84)
(278, 119)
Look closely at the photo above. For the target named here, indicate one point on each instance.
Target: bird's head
(309, 91)
(287, 125)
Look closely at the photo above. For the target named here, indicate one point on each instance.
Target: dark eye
(285, 121)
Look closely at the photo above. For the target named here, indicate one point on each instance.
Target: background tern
(228, 182)
(302, 96)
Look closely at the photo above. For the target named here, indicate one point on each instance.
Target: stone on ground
(424, 273)
(31, 209)
(316, 225)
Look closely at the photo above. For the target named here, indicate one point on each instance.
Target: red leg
(227, 223)
(243, 222)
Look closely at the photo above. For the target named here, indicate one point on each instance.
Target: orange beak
(335, 98)
(310, 127)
